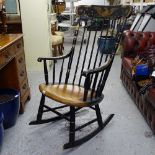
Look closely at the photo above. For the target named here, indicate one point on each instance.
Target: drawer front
(24, 87)
(7, 55)
(22, 74)
(20, 60)
(19, 47)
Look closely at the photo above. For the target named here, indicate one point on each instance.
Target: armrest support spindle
(45, 72)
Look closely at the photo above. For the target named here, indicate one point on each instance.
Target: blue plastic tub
(142, 70)
(1, 129)
(106, 44)
(9, 106)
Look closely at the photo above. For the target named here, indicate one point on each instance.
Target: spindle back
(94, 45)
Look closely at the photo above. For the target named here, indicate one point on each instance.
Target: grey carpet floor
(126, 134)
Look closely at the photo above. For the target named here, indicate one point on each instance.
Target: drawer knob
(19, 45)
(6, 56)
(24, 86)
(22, 73)
(20, 60)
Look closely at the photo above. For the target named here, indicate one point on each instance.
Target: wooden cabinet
(13, 72)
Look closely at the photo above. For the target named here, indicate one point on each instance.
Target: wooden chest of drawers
(13, 72)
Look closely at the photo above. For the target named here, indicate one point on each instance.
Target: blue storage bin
(9, 106)
(1, 129)
(106, 44)
(142, 70)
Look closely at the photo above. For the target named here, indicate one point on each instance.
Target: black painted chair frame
(92, 75)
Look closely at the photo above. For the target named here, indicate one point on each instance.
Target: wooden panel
(9, 76)
(8, 39)
(7, 55)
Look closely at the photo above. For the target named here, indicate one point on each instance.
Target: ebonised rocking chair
(81, 83)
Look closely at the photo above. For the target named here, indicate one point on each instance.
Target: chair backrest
(58, 7)
(95, 44)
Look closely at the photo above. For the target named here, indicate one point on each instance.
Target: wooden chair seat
(56, 40)
(68, 94)
(59, 33)
(57, 45)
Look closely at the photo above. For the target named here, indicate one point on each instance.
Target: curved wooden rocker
(81, 83)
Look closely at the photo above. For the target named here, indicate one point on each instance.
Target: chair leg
(63, 44)
(60, 49)
(72, 125)
(41, 107)
(98, 114)
(41, 110)
(54, 52)
(73, 142)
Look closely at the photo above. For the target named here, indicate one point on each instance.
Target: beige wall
(36, 31)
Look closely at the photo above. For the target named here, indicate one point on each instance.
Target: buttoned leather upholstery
(133, 44)
(136, 42)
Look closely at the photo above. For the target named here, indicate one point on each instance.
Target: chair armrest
(97, 70)
(40, 59)
(89, 74)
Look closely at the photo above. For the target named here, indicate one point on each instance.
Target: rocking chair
(79, 77)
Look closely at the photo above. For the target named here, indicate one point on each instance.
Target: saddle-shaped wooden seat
(71, 95)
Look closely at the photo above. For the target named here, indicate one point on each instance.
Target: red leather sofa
(134, 42)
